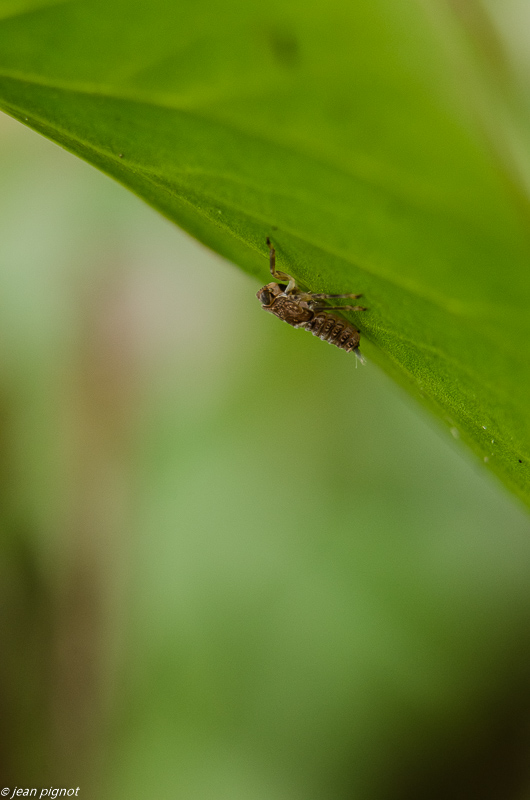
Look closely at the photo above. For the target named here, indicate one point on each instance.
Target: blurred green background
(233, 565)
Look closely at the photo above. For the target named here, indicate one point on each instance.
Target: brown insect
(308, 310)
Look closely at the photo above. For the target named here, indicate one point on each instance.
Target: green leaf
(381, 145)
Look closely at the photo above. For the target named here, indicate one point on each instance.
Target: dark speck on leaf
(284, 45)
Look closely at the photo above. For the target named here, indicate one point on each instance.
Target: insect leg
(282, 276)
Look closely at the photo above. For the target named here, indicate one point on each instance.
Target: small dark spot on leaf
(520, 461)
(284, 45)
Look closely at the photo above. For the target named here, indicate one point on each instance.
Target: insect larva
(309, 310)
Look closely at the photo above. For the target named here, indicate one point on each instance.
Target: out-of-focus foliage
(233, 566)
(383, 145)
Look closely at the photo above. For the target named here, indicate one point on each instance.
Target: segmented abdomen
(334, 330)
